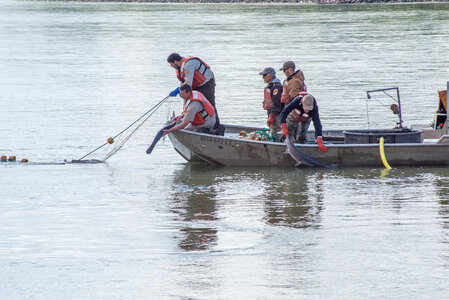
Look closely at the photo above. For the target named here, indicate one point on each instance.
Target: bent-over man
(198, 111)
(305, 110)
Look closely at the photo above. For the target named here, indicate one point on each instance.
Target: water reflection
(193, 200)
(280, 197)
(443, 210)
(294, 198)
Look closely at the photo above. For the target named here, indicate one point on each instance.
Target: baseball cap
(287, 64)
(268, 70)
(307, 102)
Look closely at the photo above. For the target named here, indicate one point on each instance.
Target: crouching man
(304, 110)
(198, 112)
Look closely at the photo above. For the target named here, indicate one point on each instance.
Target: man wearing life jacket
(306, 110)
(293, 84)
(198, 111)
(196, 73)
(272, 99)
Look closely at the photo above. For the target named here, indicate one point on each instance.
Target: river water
(153, 227)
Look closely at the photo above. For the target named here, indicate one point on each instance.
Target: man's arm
(317, 122)
(188, 116)
(182, 125)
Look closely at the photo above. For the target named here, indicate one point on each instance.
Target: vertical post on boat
(400, 110)
(447, 126)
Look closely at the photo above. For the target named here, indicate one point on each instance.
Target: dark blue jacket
(275, 87)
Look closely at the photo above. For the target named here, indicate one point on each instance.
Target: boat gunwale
(332, 145)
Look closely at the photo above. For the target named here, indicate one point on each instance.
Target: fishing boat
(400, 146)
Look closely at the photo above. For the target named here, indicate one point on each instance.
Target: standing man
(196, 73)
(294, 83)
(272, 99)
(198, 111)
(306, 110)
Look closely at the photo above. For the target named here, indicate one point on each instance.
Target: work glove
(174, 92)
(321, 147)
(270, 120)
(284, 130)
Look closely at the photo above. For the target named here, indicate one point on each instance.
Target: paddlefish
(158, 136)
(302, 158)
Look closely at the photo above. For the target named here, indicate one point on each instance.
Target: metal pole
(400, 110)
(447, 90)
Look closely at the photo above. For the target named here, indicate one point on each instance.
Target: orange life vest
(208, 109)
(285, 97)
(297, 114)
(198, 77)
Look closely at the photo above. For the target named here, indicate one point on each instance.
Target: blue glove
(174, 92)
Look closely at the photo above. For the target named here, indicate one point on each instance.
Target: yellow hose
(382, 153)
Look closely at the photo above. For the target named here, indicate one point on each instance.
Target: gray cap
(268, 70)
(287, 64)
(307, 102)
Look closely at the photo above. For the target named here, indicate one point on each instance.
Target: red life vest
(267, 102)
(285, 97)
(208, 109)
(297, 114)
(198, 77)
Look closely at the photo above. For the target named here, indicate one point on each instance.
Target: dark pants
(208, 90)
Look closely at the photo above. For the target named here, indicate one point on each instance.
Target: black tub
(391, 136)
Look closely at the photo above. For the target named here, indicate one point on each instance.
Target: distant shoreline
(267, 2)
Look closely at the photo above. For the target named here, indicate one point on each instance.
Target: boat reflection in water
(443, 210)
(294, 199)
(194, 202)
(206, 198)
(212, 202)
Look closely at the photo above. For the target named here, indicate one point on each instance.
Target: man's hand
(284, 130)
(321, 147)
(270, 120)
(174, 92)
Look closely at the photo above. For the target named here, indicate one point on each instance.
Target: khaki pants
(298, 130)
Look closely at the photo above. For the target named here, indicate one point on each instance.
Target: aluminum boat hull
(231, 150)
